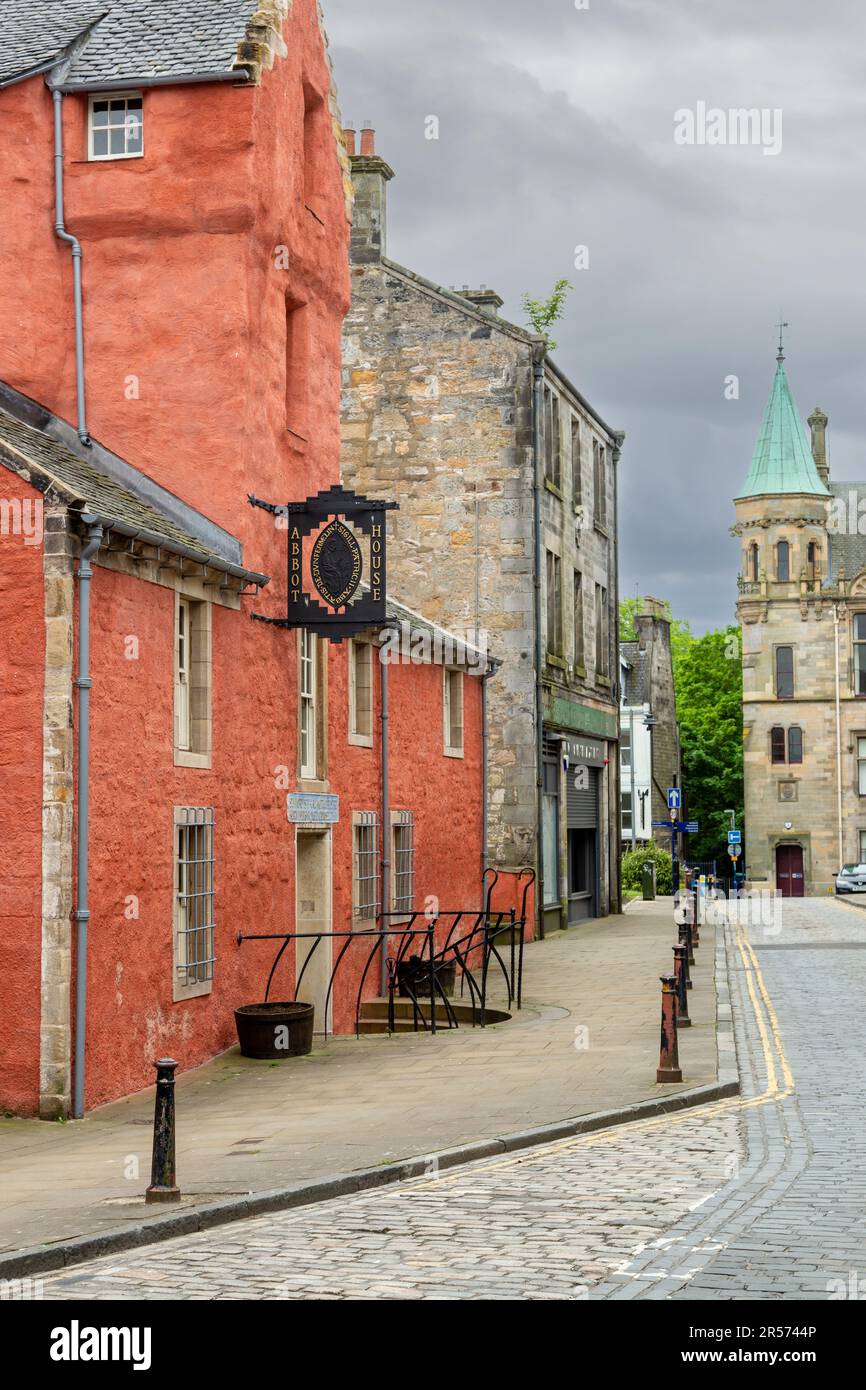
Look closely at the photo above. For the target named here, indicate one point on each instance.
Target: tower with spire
(802, 613)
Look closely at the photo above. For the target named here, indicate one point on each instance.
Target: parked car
(851, 879)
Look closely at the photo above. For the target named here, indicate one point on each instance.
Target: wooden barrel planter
(270, 1032)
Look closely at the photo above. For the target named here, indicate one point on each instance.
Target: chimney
(654, 608)
(349, 134)
(370, 176)
(484, 298)
(817, 423)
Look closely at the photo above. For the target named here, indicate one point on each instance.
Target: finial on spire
(782, 325)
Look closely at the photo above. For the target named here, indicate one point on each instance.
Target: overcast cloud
(556, 130)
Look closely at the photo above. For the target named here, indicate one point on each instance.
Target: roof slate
(141, 40)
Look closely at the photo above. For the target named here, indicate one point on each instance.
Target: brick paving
(759, 1197)
(246, 1126)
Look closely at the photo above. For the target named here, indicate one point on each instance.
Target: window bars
(404, 861)
(367, 900)
(194, 830)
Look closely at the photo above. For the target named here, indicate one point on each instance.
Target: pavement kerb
(48, 1258)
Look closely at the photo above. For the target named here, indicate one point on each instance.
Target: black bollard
(681, 965)
(163, 1184)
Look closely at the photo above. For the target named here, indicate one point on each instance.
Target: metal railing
(472, 941)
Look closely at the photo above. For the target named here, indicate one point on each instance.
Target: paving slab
(585, 1041)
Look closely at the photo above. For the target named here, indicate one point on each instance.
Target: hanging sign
(337, 575)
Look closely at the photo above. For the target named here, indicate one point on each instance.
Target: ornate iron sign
(333, 589)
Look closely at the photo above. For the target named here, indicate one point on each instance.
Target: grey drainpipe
(75, 244)
(385, 894)
(485, 747)
(537, 446)
(82, 914)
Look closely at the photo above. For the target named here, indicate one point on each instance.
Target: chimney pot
(349, 135)
(368, 139)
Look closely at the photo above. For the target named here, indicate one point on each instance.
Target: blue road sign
(675, 800)
(735, 837)
(689, 827)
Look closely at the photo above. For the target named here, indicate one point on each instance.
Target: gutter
(81, 915)
(199, 557)
(538, 356)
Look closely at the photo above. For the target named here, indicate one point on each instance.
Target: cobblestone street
(762, 1196)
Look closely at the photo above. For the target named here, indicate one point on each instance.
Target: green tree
(543, 313)
(709, 685)
(708, 679)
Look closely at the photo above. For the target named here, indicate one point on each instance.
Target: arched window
(783, 561)
(753, 562)
(784, 673)
(777, 745)
(795, 744)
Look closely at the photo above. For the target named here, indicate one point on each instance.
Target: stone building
(507, 531)
(650, 736)
(802, 607)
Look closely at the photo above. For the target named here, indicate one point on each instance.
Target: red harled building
(174, 229)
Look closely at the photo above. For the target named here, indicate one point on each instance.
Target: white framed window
(361, 693)
(402, 862)
(308, 704)
(365, 865)
(192, 682)
(452, 702)
(115, 126)
(194, 914)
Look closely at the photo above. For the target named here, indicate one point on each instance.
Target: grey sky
(556, 129)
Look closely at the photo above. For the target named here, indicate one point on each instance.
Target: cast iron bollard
(163, 1186)
(681, 965)
(669, 1059)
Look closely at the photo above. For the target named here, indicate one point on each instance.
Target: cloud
(556, 130)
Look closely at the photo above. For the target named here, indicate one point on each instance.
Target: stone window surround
(357, 738)
(200, 686)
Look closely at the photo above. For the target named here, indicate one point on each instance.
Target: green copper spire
(782, 461)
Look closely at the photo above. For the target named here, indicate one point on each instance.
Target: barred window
(403, 860)
(366, 865)
(194, 899)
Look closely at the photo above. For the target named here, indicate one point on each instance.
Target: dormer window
(115, 127)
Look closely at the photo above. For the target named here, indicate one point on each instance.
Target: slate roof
(847, 546)
(45, 462)
(635, 681)
(132, 40)
(782, 461)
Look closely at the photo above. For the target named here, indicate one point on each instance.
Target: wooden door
(790, 878)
